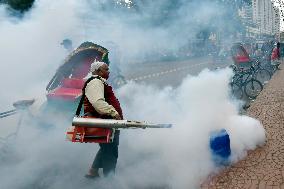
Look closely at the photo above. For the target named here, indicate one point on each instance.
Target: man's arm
(95, 93)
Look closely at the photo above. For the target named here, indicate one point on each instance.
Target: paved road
(263, 167)
(171, 73)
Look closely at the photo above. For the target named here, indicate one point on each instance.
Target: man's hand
(117, 117)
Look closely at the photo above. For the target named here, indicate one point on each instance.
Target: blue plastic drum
(220, 147)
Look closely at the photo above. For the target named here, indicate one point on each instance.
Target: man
(101, 102)
(67, 44)
(275, 56)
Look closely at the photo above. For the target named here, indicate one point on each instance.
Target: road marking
(164, 72)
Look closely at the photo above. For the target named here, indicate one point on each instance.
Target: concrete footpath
(263, 167)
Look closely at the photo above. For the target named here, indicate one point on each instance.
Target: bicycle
(259, 72)
(244, 82)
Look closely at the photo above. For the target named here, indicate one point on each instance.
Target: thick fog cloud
(175, 158)
(156, 26)
(30, 48)
(39, 157)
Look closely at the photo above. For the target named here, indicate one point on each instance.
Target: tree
(19, 5)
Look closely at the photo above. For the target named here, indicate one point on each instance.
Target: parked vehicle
(64, 90)
(244, 61)
(244, 82)
(65, 87)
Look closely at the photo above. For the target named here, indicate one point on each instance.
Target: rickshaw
(243, 61)
(249, 74)
(66, 85)
(64, 89)
(240, 56)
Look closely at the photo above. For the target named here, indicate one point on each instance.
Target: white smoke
(30, 48)
(39, 157)
(196, 108)
(177, 158)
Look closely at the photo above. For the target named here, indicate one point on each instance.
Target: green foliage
(20, 5)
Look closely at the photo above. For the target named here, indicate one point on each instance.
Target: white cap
(95, 66)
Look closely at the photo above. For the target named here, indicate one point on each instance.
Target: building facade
(246, 16)
(266, 16)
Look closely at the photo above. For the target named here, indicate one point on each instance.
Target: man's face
(104, 71)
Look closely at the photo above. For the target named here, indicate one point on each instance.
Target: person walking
(275, 56)
(101, 102)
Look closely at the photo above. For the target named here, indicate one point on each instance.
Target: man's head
(67, 43)
(100, 69)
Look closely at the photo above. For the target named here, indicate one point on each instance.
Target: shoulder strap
(78, 111)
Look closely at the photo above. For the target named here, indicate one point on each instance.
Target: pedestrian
(67, 44)
(275, 56)
(100, 102)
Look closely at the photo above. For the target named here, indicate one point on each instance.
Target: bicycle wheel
(236, 90)
(263, 75)
(275, 67)
(252, 88)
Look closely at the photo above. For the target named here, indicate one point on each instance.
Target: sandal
(92, 176)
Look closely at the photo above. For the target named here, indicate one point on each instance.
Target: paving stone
(264, 166)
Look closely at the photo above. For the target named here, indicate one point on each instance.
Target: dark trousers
(107, 155)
